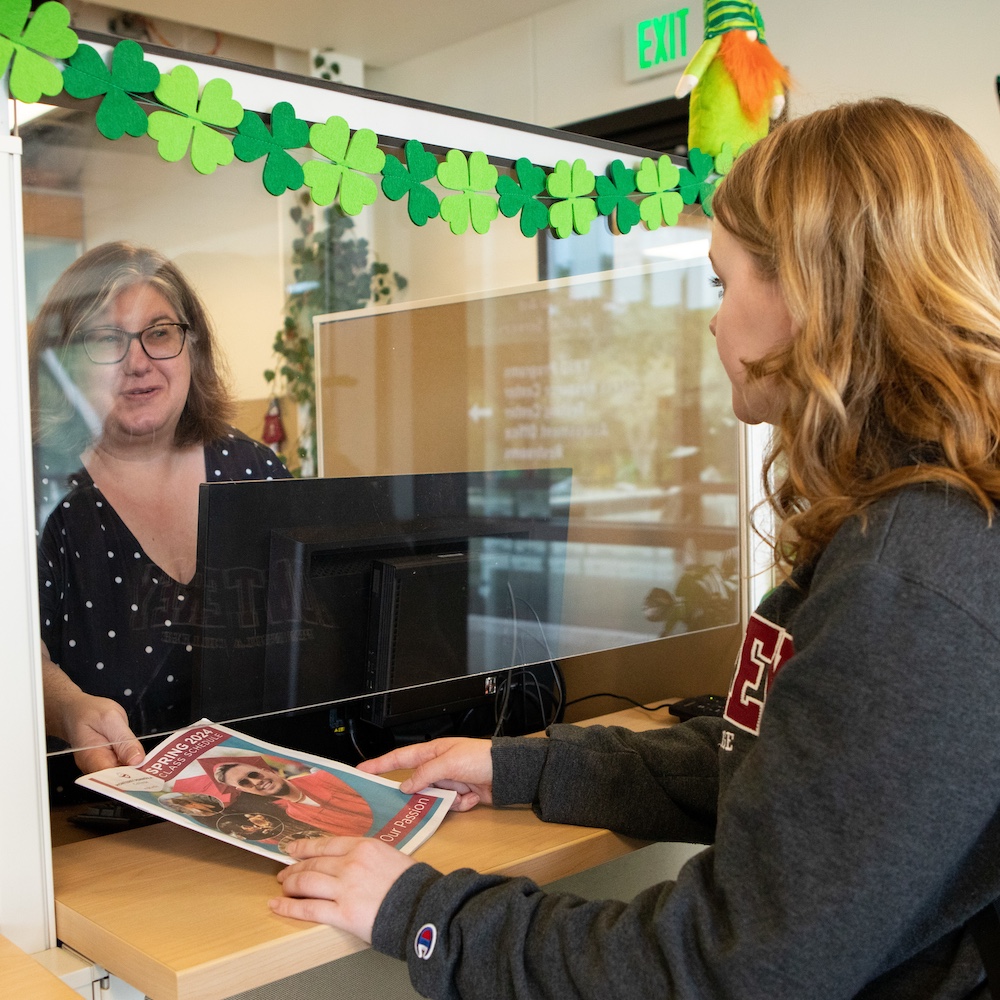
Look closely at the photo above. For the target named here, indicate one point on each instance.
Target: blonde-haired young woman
(850, 792)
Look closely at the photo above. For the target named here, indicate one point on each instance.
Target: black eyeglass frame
(185, 329)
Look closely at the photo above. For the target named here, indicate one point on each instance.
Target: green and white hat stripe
(726, 15)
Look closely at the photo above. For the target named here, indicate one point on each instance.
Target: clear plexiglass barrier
(327, 475)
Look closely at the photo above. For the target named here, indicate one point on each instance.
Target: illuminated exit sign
(661, 43)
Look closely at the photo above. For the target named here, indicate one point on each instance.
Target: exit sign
(661, 43)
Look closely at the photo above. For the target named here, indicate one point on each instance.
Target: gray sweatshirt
(850, 795)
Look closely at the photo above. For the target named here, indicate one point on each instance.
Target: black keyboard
(702, 704)
(107, 817)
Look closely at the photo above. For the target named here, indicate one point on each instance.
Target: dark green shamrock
(399, 181)
(694, 183)
(282, 172)
(613, 194)
(575, 210)
(86, 75)
(28, 43)
(521, 195)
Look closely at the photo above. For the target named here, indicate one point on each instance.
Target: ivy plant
(332, 272)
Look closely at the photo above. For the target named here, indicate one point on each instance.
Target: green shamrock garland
(209, 125)
(574, 210)
(472, 176)
(521, 196)
(398, 181)
(86, 75)
(189, 121)
(24, 46)
(282, 172)
(350, 158)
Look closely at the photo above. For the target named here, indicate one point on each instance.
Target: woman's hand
(461, 764)
(339, 881)
(99, 726)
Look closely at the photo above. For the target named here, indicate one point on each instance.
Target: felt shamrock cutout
(725, 159)
(694, 183)
(723, 164)
(398, 181)
(86, 75)
(471, 176)
(613, 196)
(191, 120)
(522, 196)
(282, 172)
(29, 42)
(351, 157)
(658, 180)
(575, 210)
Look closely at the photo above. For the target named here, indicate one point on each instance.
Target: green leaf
(399, 181)
(30, 44)
(659, 208)
(282, 172)
(725, 159)
(613, 196)
(86, 75)
(522, 196)
(694, 183)
(575, 210)
(570, 182)
(191, 121)
(471, 176)
(350, 158)
(49, 32)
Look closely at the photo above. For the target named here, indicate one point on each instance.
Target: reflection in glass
(498, 354)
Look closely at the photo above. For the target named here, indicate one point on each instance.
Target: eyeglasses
(107, 345)
(247, 781)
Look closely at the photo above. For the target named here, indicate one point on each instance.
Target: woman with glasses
(130, 344)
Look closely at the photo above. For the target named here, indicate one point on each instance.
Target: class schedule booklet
(263, 797)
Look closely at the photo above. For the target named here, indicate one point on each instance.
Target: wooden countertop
(24, 977)
(184, 917)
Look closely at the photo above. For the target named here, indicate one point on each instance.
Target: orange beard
(754, 70)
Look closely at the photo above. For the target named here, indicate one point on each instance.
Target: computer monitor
(406, 595)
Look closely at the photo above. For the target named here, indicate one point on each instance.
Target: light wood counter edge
(24, 977)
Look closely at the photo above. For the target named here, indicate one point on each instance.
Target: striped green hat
(727, 15)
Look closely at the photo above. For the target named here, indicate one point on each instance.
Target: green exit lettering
(662, 39)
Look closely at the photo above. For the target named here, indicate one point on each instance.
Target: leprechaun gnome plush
(736, 84)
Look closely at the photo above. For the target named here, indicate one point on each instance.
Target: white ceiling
(380, 34)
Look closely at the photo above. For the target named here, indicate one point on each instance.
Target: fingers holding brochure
(460, 764)
(340, 881)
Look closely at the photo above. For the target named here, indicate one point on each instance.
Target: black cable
(620, 697)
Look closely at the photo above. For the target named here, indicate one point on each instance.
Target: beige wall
(566, 64)
(223, 230)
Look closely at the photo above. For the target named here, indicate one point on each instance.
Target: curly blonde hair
(880, 222)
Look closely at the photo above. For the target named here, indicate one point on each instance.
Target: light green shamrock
(575, 210)
(658, 180)
(29, 42)
(191, 121)
(351, 157)
(472, 176)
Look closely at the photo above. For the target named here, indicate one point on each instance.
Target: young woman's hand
(339, 881)
(461, 764)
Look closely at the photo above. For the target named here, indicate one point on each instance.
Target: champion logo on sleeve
(425, 940)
